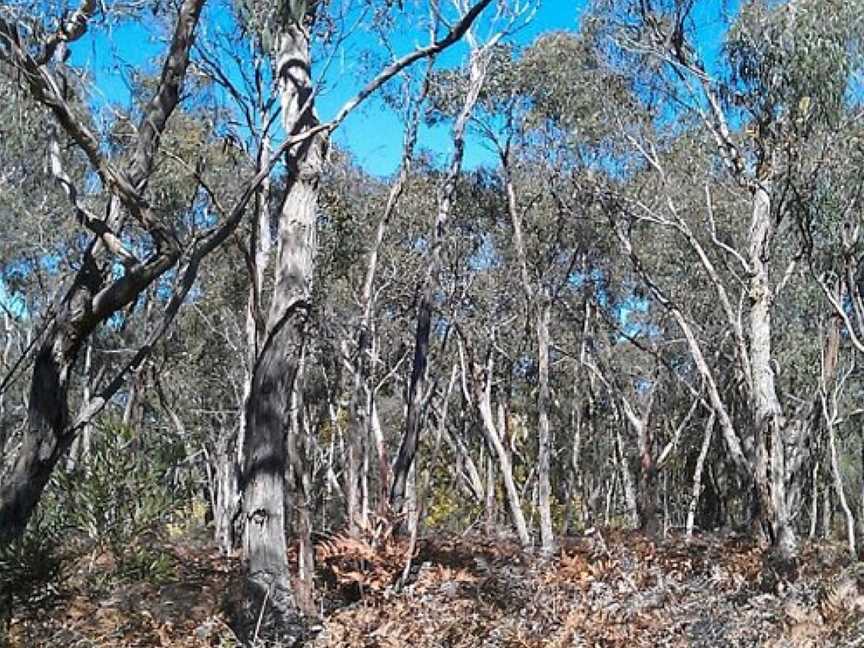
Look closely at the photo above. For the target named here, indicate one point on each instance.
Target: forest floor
(608, 588)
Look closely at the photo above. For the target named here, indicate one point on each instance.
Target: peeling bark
(276, 371)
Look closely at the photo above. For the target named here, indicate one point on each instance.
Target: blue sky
(373, 133)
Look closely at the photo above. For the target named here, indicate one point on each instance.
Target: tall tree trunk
(490, 500)
(838, 476)
(544, 433)
(860, 519)
(830, 388)
(540, 311)
(770, 466)
(647, 487)
(446, 195)
(231, 439)
(382, 459)
(363, 395)
(46, 435)
(276, 371)
(513, 499)
(226, 489)
(814, 500)
(410, 438)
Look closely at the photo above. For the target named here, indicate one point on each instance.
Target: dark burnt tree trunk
(93, 295)
(446, 196)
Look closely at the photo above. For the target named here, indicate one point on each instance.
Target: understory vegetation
(576, 364)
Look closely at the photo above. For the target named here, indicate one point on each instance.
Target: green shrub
(29, 570)
(120, 499)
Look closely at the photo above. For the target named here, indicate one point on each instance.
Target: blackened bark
(446, 196)
(266, 552)
(92, 297)
(46, 435)
(363, 393)
(408, 447)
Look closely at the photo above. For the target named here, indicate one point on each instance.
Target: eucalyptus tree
(293, 30)
(35, 246)
(251, 101)
(547, 139)
(478, 62)
(831, 232)
(34, 50)
(785, 69)
(363, 394)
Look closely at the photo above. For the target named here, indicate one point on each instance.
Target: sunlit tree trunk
(276, 370)
(770, 465)
(544, 432)
(363, 393)
(229, 454)
(480, 381)
(539, 308)
(838, 476)
(697, 488)
(631, 503)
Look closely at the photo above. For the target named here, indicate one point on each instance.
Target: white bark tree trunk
(631, 503)
(481, 395)
(277, 369)
(838, 477)
(696, 491)
(539, 307)
(769, 422)
(544, 432)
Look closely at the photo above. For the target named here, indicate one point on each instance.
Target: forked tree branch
(209, 240)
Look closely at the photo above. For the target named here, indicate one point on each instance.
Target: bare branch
(167, 95)
(96, 225)
(436, 47)
(73, 28)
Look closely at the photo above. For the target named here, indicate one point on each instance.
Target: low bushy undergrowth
(29, 570)
(119, 500)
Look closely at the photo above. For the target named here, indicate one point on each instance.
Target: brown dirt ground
(610, 588)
